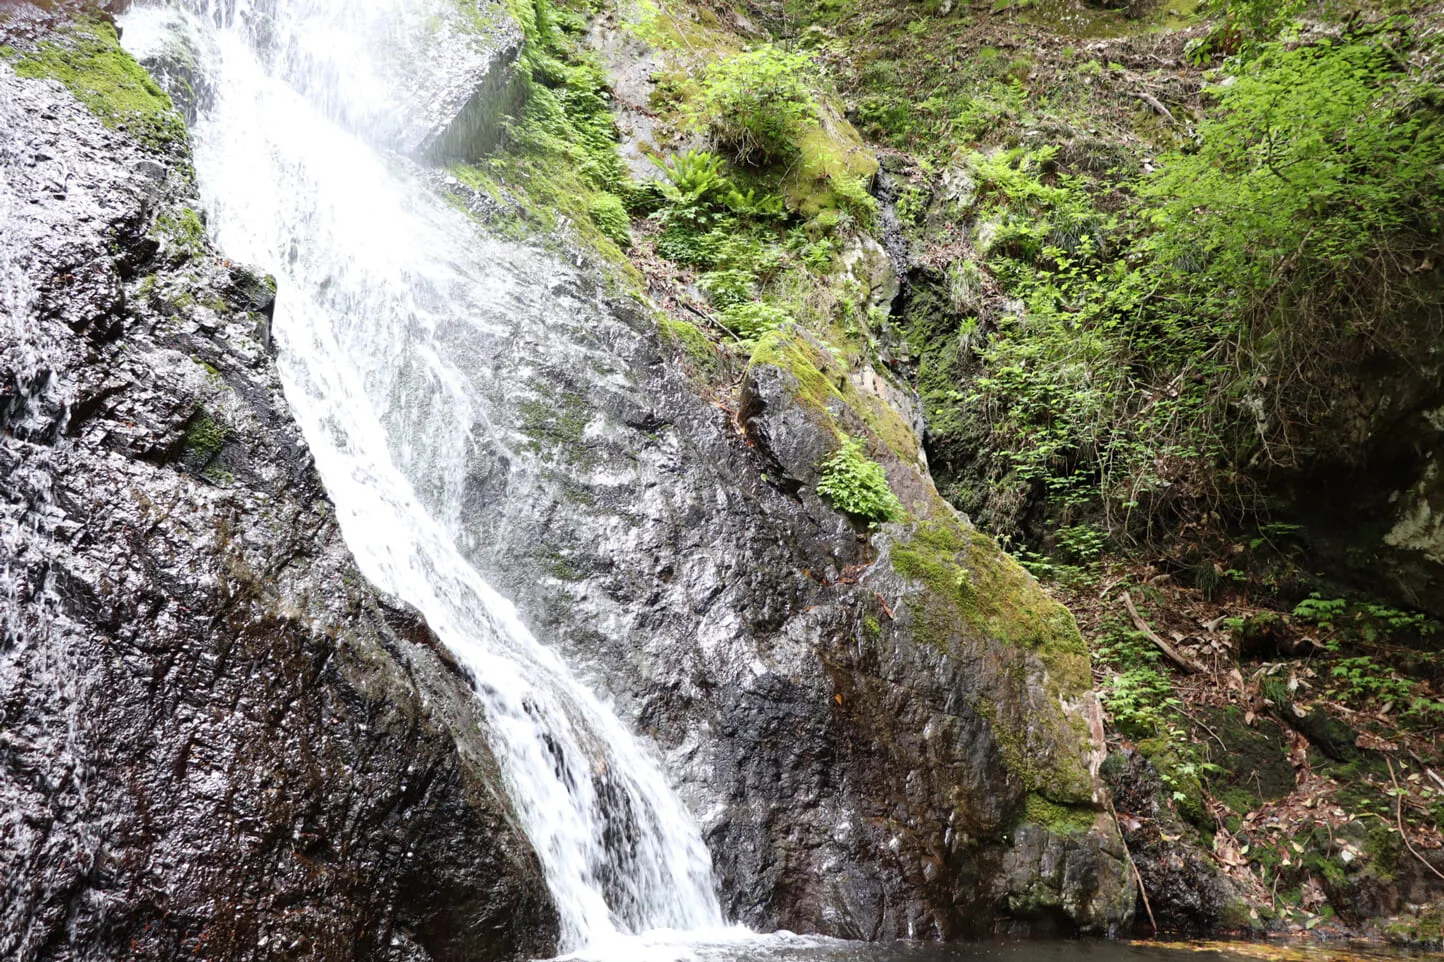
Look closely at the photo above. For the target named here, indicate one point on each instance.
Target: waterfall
(295, 164)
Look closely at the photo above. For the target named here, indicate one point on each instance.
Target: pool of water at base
(740, 945)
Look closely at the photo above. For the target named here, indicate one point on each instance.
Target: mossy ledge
(87, 58)
(824, 384)
(976, 597)
(1058, 819)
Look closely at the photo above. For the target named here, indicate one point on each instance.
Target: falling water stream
(293, 169)
(298, 161)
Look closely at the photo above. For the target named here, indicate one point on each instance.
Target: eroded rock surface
(884, 735)
(216, 741)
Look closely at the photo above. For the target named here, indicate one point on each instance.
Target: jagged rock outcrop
(884, 735)
(216, 741)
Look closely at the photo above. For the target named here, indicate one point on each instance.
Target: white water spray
(370, 268)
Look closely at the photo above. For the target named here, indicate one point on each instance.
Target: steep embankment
(215, 740)
(1000, 235)
(886, 727)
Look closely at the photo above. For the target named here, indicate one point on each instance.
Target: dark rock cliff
(216, 741)
(884, 735)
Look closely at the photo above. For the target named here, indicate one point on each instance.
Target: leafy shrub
(857, 485)
(611, 218)
(755, 104)
(754, 318)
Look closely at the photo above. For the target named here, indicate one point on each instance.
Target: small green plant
(1138, 693)
(728, 287)
(1320, 610)
(1363, 679)
(695, 175)
(857, 485)
(1082, 542)
(755, 105)
(752, 319)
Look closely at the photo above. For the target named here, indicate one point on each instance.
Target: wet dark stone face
(215, 740)
(222, 743)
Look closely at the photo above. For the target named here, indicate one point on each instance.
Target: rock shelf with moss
(88, 59)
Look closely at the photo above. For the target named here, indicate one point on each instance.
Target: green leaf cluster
(857, 485)
(756, 104)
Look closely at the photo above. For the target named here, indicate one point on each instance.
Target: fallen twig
(1137, 875)
(1173, 654)
(1399, 819)
(1156, 104)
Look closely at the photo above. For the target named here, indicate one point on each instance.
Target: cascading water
(293, 164)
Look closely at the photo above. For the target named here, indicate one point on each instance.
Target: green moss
(976, 593)
(871, 626)
(183, 233)
(1235, 917)
(823, 384)
(1058, 819)
(88, 59)
(832, 172)
(983, 589)
(556, 428)
(784, 348)
(1037, 752)
(557, 151)
(204, 438)
(692, 342)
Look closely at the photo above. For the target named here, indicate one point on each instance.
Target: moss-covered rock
(833, 170)
(87, 58)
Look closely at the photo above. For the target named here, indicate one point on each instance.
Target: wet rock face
(849, 772)
(1187, 893)
(215, 740)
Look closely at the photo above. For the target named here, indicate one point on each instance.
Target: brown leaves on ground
(1254, 848)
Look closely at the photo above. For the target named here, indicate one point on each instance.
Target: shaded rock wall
(216, 741)
(870, 756)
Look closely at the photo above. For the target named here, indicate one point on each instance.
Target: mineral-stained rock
(216, 741)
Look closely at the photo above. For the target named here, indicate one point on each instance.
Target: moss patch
(833, 171)
(88, 59)
(555, 168)
(824, 384)
(977, 594)
(204, 438)
(1058, 819)
(1180, 780)
(1256, 765)
(973, 585)
(692, 342)
(183, 233)
(556, 427)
